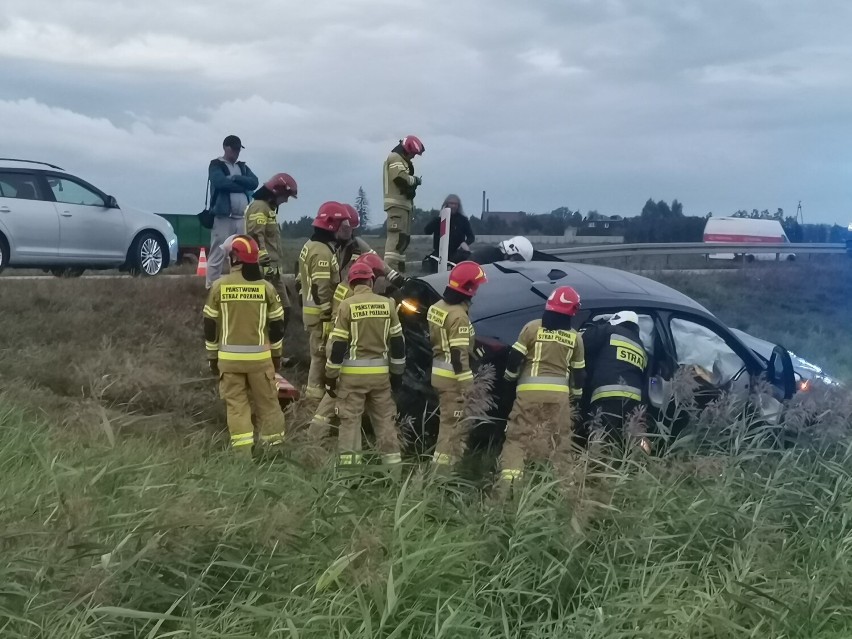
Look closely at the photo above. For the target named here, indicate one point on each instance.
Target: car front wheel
(147, 255)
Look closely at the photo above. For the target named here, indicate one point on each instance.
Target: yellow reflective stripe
(556, 388)
(392, 458)
(242, 439)
(277, 345)
(580, 364)
(511, 375)
(312, 310)
(365, 370)
(520, 348)
(276, 314)
(440, 372)
(442, 459)
(348, 459)
(536, 359)
(273, 440)
(576, 392)
(341, 292)
(616, 395)
(510, 474)
(463, 377)
(395, 330)
(212, 346)
(332, 366)
(210, 312)
(321, 275)
(460, 341)
(245, 357)
(341, 333)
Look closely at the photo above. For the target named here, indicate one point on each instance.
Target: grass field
(123, 515)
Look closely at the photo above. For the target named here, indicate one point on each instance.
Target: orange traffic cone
(202, 264)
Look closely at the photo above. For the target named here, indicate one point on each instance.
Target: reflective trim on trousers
(510, 474)
(365, 367)
(392, 458)
(243, 348)
(442, 459)
(349, 459)
(616, 391)
(272, 440)
(242, 439)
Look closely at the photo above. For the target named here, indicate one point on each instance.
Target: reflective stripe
(580, 364)
(616, 391)
(460, 341)
(321, 275)
(273, 440)
(348, 459)
(392, 458)
(511, 474)
(464, 376)
(242, 348)
(274, 315)
(365, 366)
(341, 333)
(210, 312)
(442, 459)
(397, 362)
(551, 384)
(620, 340)
(242, 439)
(211, 346)
(245, 357)
(440, 372)
(395, 330)
(277, 346)
(576, 392)
(520, 348)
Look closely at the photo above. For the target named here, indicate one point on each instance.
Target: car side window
(70, 192)
(21, 186)
(699, 345)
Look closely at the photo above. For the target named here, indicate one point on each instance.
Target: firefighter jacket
(262, 225)
(400, 183)
(346, 256)
(453, 337)
(319, 275)
(243, 323)
(617, 361)
(548, 360)
(367, 337)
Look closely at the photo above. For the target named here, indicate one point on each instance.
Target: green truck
(192, 237)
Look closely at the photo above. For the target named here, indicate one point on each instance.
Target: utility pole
(800, 216)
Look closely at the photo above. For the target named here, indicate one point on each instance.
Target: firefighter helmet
(373, 261)
(282, 184)
(517, 247)
(360, 270)
(623, 317)
(244, 249)
(466, 277)
(331, 216)
(413, 145)
(564, 300)
(354, 218)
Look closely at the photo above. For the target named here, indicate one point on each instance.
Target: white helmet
(519, 246)
(622, 317)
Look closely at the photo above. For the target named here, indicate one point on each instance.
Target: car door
(29, 217)
(89, 230)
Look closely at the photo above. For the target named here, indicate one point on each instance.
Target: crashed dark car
(676, 332)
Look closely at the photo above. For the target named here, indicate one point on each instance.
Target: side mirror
(111, 202)
(781, 371)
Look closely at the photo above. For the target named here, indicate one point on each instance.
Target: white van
(730, 230)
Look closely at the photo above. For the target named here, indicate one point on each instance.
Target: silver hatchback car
(52, 220)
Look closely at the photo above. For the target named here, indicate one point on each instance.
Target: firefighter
(617, 362)
(366, 358)
(400, 186)
(262, 225)
(452, 336)
(325, 414)
(319, 275)
(549, 360)
(244, 332)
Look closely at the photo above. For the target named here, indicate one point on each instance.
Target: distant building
(604, 225)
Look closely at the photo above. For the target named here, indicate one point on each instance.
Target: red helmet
(244, 249)
(564, 300)
(330, 216)
(373, 261)
(466, 277)
(413, 145)
(282, 184)
(354, 218)
(360, 270)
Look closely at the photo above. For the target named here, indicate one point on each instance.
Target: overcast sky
(591, 104)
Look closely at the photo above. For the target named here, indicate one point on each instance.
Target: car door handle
(66, 214)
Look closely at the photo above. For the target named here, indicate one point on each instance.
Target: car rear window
(21, 186)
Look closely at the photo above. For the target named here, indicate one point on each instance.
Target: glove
(396, 278)
(396, 382)
(417, 181)
(276, 362)
(214, 366)
(331, 387)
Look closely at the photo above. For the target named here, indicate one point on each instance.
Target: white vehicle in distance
(52, 220)
(732, 230)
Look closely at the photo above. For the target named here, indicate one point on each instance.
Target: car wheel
(791, 258)
(4, 253)
(147, 255)
(749, 258)
(67, 272)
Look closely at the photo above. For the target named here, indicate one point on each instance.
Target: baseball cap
(233, 141)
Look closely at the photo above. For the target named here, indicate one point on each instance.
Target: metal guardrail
(690, 248)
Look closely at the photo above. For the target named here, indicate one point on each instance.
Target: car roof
(31, 165)
(514, 286)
